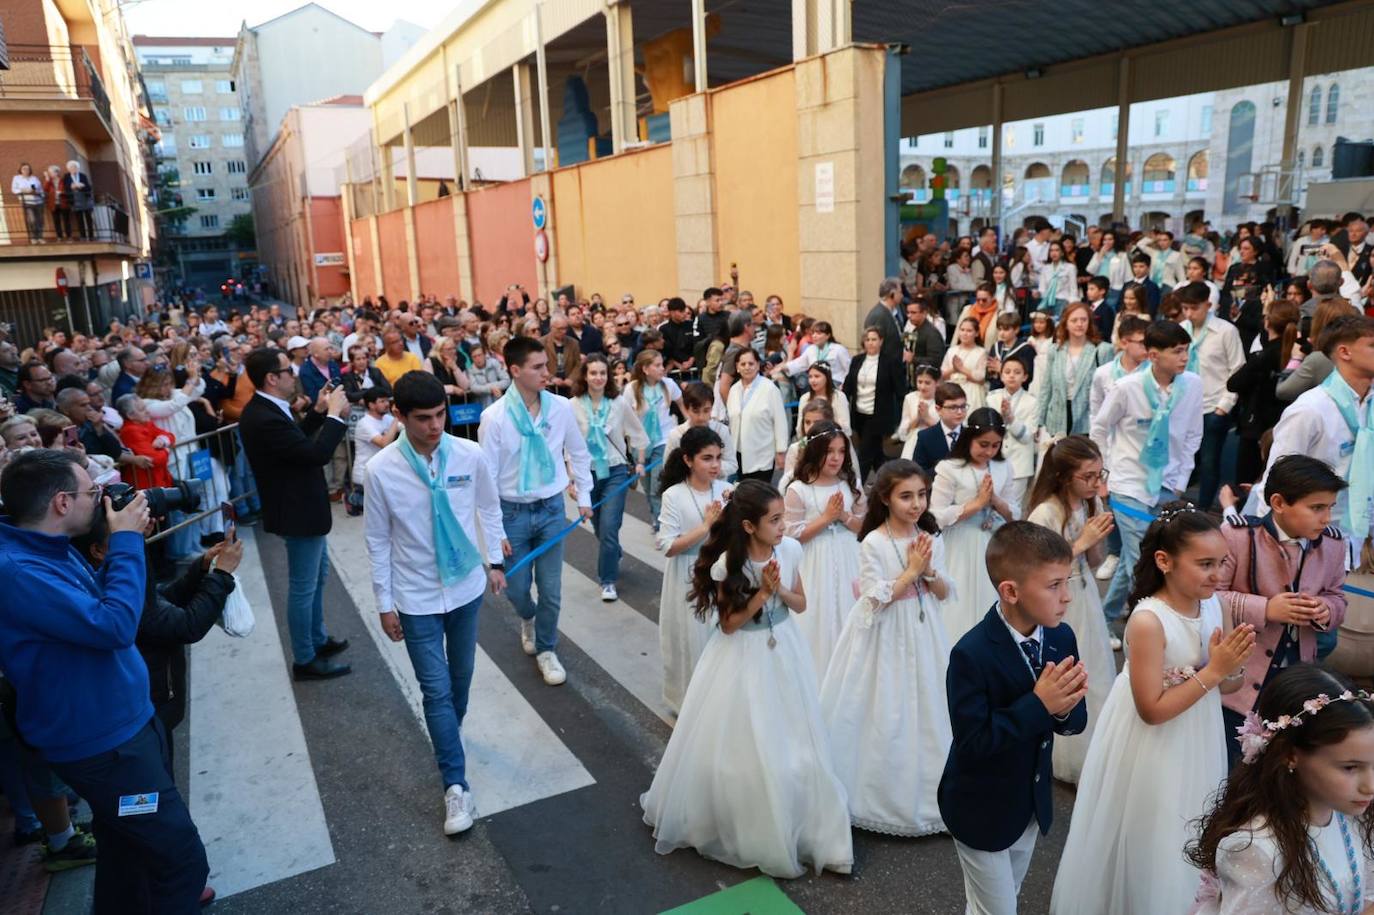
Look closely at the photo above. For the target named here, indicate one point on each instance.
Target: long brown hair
(637, 375)
(749, 501)
(579, 380)
(880, 490)
(1266, 790)
(814, 449)
(1061, 333)
(1283, 319)
(1057, 467)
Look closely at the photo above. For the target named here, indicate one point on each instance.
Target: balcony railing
(53, 73)
(108, 224)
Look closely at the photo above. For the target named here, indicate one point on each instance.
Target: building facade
(201, 162)
(1213, 155)
(71, 94)
(296, 204)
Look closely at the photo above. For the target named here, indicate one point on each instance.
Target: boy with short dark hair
(1283, 576)
(1014, 681)
(697, 403)
(1009, 345)
(1140, 276)
(933, 444)
(1104, 315)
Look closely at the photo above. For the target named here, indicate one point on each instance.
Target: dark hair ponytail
(1265, 790)
(675, 464)
(880, 490)
(749, 501)
(1178, 523)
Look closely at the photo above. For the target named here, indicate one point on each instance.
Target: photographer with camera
(67, 646)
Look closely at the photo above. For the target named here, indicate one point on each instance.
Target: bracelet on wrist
(1205, 688)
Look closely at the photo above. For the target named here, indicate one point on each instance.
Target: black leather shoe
(331, 647)
(320, 669)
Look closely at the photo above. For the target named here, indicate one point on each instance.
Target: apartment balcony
(57, 79)
(107, 233)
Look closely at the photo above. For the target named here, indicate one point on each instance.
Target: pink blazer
(1259, 567)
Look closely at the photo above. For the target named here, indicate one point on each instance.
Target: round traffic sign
(540, 212)
(541, 246)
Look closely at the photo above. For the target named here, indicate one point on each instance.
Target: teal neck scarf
(1361, 473)
(1157, 264)
(1119, 371)
(598, 442)
(454, 552)
(1195, 348)
(1051, 291)
(653, 425)
(536, 461)
(1154, 454)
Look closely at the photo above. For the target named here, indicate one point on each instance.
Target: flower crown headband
(1256, 732)
(819, 435)
(1167, 516)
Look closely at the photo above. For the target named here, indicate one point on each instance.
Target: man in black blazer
(288, 461)
(933, 444)
(1104, 315)
(1014, 682)
(888, 317)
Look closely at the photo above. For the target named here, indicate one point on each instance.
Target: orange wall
(614, 227)
(365, 272)
(391, 230)
(502, 240)
(326, 226)
(754, 150)
(434, 242)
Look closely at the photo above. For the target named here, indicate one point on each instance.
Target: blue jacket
(67, 642)
(313, 380)
(998, 773)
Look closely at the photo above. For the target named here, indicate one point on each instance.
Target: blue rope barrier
(1130, 512)
(1359, 592)
(547, 545)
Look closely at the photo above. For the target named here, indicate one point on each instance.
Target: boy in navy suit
(1140, 276)
(933, 444)
(1014, 681)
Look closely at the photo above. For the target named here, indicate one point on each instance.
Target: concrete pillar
(524, 116)
(412, 253)
(462, 241)
(1123, 134)
(820, 26)
(412, 186)
(995, 205)
(1297, 65)
(699, 55)
(694, 195)
(840, 140)
(542, 68)
(347, 202)
(541, 185)
(620, 61)
(376, 252)
(458, 127)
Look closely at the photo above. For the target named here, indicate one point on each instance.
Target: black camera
(161, 500)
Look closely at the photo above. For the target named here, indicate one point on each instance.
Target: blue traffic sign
(540, 213)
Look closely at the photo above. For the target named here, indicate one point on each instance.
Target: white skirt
(829, 570)
(966, 547)
(747, 778)
(884, 702)
(1084, 616)
(681, 636)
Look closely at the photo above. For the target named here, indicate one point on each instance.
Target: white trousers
(992, 879)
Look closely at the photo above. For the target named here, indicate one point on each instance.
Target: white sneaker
(550, 669)
(608, 593)
(458, 810)
(527, 636)
(1114, 642)
(1107, 569)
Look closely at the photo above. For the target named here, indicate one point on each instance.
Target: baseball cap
(296, 342)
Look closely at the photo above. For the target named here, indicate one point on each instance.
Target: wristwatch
(498, 566)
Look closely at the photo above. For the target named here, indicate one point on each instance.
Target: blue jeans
(606, 522)
(1209, 470)
(443, 651)
(650, 484)
(150, 862)
(529, 524)
(241, 480)
(1132, 526)
(307, 567)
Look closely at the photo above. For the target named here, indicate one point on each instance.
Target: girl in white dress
(823, 509)
(822, 348)
(884, 695)
(758, 420)
(1067, 500)
(918, 408)
(747, 778)
(821, 385)
(652, 395)
(969, 501)
(966, 364)
(1290, 834)
(1158, 751)
(693, 496)
(1019, 410)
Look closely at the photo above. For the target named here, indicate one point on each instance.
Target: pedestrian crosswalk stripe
(513, 756)
(636, 537)
(260, 816)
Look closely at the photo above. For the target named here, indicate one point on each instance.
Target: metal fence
(106, 222)
(215, 469)
(54, 72)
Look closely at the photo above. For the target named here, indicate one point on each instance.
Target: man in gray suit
(888, 318)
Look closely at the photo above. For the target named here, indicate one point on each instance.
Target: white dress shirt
(1040, 254)
(866, 387)
(1220, 355)
(1118, 270)
(1120, 429)
(398, 523)
(28, 189)
(622, 424)
(367, 428)
(1312, 425)
(1018, 447)
(502, 443)
(759, 422)
(1104, 379)
(1172, 273)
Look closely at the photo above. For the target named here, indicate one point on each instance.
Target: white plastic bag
(237, 618)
